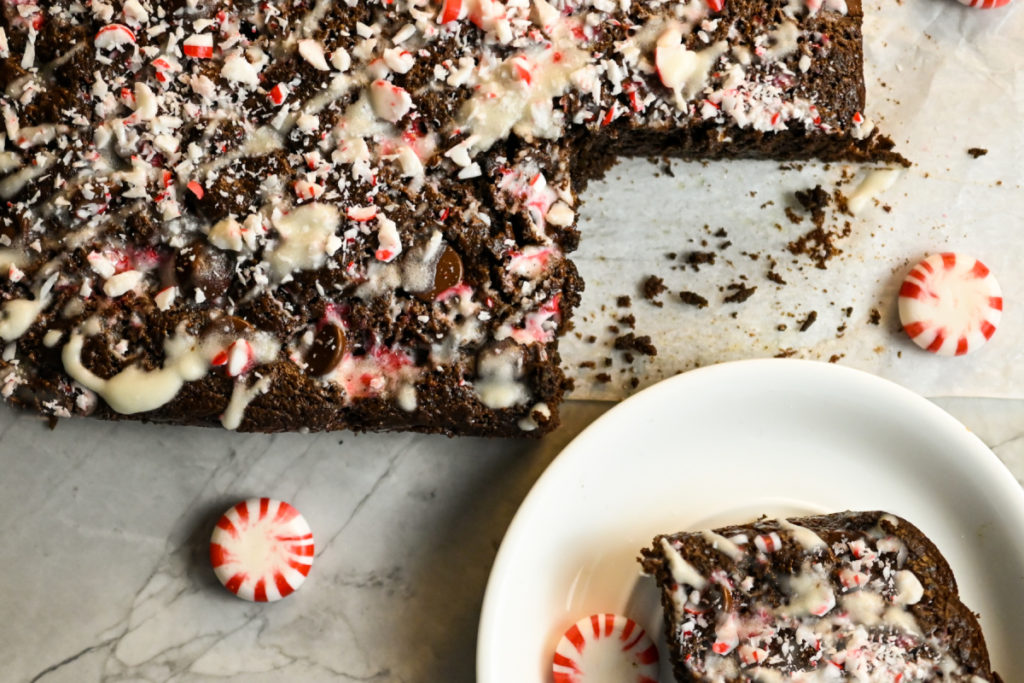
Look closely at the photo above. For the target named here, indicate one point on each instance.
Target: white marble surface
(104, 531)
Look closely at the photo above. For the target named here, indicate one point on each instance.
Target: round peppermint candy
(985, 4)
(950, 304)
(262, 549)
(605, 648)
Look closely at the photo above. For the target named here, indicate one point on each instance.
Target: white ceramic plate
(726, 444)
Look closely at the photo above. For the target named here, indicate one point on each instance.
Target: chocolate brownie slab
(356, 215)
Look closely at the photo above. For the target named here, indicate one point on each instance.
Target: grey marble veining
(105, 527)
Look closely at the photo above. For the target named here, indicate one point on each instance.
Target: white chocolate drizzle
(17, 315)
(508, 100)
(723, 545)
(134, 390)
(875, 183)
(807, 539)
(241, 397)
(682, 571)
(497, 384)
(308, 236)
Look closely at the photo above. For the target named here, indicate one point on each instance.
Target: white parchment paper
(941, 79)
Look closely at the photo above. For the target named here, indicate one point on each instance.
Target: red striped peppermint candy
(985, 4)
(606, 648)
(262, 549)
(950, 304)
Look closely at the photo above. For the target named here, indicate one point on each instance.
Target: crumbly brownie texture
(859, 596)
(321, 215)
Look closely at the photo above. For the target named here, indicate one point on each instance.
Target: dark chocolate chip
(207, 268)
(327, 350)
(449, 270)
(447, 274)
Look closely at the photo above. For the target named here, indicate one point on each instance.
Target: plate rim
(996, 470)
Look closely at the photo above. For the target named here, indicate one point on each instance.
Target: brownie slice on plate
(852, 596)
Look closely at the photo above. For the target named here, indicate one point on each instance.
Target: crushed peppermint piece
(313, 52)
(390, 102)
(198, 46)
(114, 36)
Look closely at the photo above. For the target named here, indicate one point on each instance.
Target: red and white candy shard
(262, 549)
(950, 304)
(606, 648)
(985, 4)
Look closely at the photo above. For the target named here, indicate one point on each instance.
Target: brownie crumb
(815, 201)
(977, 152)
(652, 288)
(721, 233)
(634, 382)
(631, 342)
(624, 301)
(614, 329)
(806, 323)
(590, 339)
(773, 275)
(696, 259)
(693, 299)
(834, 358)
(629, 321)
(874, 317)
(793, 216)
(786, 353)
(819, 244)
(740, 293)
(603, 377)
(588, 364)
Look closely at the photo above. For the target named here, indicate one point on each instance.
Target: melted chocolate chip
(228, 326)
(327, 350)
(449, 270)
(447, 274)
(206, 268)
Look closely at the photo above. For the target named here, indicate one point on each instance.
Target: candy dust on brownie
(323, 215)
